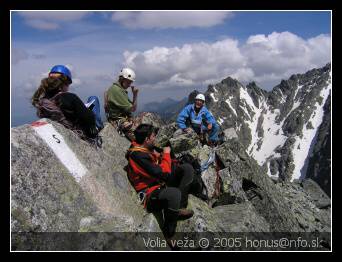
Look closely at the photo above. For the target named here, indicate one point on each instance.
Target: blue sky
(172, 53)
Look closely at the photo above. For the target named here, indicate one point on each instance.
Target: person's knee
(96, 98)
(173, 193)
(215, 127)
(173, 197)
(213, 134)
(188, 170)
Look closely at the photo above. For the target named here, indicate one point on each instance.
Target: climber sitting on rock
(53, 101)
(197, 117)
(160, 184)
(118, 106)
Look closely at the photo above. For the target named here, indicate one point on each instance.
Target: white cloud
(279, 55)
(262, 58)
(191, 63)
(170, 19)
(51, 20)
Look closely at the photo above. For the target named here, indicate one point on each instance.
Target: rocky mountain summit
(60, 183)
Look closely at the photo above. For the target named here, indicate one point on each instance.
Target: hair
(49, 87)
(143, 131)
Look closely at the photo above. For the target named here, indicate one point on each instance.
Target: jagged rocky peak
(253, 86)
(299, 84)
(315, 73)
(227, 89)
(279, 128)
(231, 82)
(256, 93)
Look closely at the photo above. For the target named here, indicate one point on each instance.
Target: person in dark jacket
(161, 185)
(53, 101)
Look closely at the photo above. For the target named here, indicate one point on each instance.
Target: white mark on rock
(63, 152)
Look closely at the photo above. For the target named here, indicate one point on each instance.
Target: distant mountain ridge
(166, 109)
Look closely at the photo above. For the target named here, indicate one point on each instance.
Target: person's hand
(187, 130)
(167, 150)
(134, 90)
(156, 153)
(210, 126)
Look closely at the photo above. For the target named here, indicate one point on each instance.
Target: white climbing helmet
(200, 97)
(127, 73)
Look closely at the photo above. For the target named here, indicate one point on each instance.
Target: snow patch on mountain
(230, 106)
(273, 137)
(303, 144)
(273, 134)
(296, 101)
(213, 97)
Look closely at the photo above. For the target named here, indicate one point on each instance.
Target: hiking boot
(184, 214)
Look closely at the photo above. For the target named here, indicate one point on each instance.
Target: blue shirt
(203, 118)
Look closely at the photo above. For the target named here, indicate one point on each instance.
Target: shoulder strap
(132, 163)
(56, 95)
(139, 149)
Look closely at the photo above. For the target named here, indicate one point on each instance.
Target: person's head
(145, 134)
(63, 73)
(199, 100)
(58, 80)
(126, 77)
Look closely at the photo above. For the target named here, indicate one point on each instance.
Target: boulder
(47, 195)
(149, 118)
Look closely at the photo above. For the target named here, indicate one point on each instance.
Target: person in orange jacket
(160, 184)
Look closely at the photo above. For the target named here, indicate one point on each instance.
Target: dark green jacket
(119, 105)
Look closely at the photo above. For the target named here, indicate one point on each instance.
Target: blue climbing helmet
(63, 70)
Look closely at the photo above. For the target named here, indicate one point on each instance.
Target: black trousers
(182, 178)
(174, 196)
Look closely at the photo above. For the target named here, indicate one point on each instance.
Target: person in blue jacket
(198, 117)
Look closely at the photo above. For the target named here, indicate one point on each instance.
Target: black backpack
(198, 187)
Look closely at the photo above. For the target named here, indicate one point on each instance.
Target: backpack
(199, 189)
(49, 108)
(187, 158)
